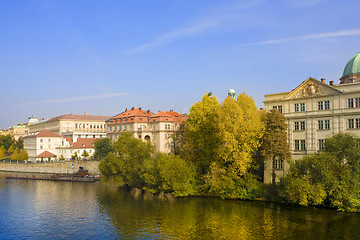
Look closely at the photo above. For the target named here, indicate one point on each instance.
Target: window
(353, 102)
(302, 107)
(321, 144)
(49, 140)
(324, 105)
(299, 126)
(296, 107)
(300, 145)
(279, 108)
(350, 123)
(354, 123)
(41, 147)
(41, 140)
(278, 164)
(299, 107)
(323, 124)
(153, 137)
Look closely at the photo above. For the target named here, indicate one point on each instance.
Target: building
(48, 146)
(20, 130)
(147, 126)
(314, 111)
(73, 126)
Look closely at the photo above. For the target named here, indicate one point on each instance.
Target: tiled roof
(133, 115)
(46, 154)
(82, 143)
(78, 117)
(43, 133)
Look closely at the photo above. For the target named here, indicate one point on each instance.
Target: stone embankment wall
(51, 167)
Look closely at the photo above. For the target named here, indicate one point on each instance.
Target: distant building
(48, 146)
(155, 128)
(314, 111)
(73, 126)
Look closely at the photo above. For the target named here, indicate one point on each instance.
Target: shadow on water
(139, 214)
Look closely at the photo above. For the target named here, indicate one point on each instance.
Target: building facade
(48, 146)
(73, 126)
(315, 111)
(147, 126)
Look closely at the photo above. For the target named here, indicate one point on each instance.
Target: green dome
(353, 66)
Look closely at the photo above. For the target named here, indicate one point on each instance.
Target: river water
(31, 209)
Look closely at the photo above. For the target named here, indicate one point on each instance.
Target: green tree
(102, 147)
(127, 161)
(6, 141)
(329, 178)
(19, 143)
(169, 173)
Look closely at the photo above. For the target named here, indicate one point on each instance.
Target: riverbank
(51, 167)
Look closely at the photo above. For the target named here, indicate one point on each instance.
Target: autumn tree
(19, 155)
(2, 152)
(85, 154)
(274, 142)
(201, 134)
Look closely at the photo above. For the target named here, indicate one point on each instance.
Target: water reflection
(204, 218)
(59, 210)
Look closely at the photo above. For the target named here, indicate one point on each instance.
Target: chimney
(85, 113)
(125, 109)
(331, 83)
(148, 111)
(140, 108)
(132, 108)
(323, 80)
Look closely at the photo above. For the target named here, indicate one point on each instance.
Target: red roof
(46, 154)
(83, 143)
(43, 133)
(78, 117)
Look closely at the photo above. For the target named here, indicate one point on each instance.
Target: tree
(2, 152)
(274, 142)
(12, 148)
(169, 173)
(102, 148)
(75, 156)
(85, 154)
(19, 155)
(329, 178)
(201, 134)
(126, 162)
(6, 141)
(19, 143)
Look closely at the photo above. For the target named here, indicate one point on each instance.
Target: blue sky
(72, 56)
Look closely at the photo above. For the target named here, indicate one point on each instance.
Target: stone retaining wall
(51, 167)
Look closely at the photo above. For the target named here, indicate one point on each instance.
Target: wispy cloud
(170, 36)
(343, 33)
(75, 99)
(214, 20)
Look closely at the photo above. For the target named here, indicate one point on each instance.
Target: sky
(102, 56)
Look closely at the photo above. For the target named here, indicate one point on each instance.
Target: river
(34, 209)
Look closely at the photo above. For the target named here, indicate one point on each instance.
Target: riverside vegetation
(12, 149)
(214, 156)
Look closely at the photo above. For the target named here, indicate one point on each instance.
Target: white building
(48, 146)
(314, 111)
(73, 126)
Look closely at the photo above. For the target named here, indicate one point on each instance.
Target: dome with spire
(231, 93)
(351, 72)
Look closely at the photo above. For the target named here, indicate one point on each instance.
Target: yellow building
(156, 128)
(314, 111)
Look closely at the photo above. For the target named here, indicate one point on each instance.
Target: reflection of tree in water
(207, 218)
